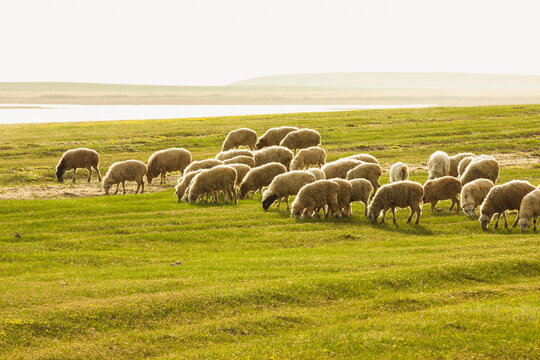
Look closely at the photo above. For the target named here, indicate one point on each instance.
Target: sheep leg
(394, 215)
(89, 173)
(505, 222)
(516, 221)
(411, 215)
(497, 222)
(326, 212)
(385, 210)
(287, 202)
(162, 178)
(534, 221)
(260, 192)
(142, 186)
(365, 207)
(434, 206)
(418, 212)
(457, 203)
(98, 173)
(124, 187)
(74, 172)
(117, 186)
(278, 203)
(138, 187)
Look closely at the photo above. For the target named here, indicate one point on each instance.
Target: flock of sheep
(288, 161)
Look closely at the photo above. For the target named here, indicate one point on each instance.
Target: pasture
(142, 276)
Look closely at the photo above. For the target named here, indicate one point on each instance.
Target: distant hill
(397, 80)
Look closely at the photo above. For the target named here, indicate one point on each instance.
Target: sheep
(344, 197)
(221, 178)
(224, 155)
(454, 163)
(399, 172)
(371, 172)
(241, 171)
(462, 166)
(246, 160)
(312, 156)
(438, 165)
(361, 191)
(78, 158)
(339, 168)
(301, 139)
(501, 198)
(484, 167)
(315, 196)
(365, 158)
(163, 161)
(319, 174)
(473, 194)
(444, 188)
(397, 194)
(270, 154)
(240, 137)
(120, 172)
(285, 185)
(259, 177)
(274, 136)
(183, 183)
(529, 209)
(202, 165)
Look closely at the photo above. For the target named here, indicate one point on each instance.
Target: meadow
(142, 276)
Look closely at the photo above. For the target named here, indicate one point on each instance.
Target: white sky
(215, 42)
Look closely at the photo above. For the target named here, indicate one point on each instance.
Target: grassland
(128, 277)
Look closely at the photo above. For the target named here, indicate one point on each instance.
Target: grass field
(127, 277)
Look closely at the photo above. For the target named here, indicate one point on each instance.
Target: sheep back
(339, 168)
(305, 158)
(246, 160)
(270, 154)
(240, 137)
(202, 165)
(224, 155)
(462, 166)
(319, 174)
(274, 136)
(301, 139)
(481, 168)
(454, 163)
(241, 171)
(369, 171)
(365, 158)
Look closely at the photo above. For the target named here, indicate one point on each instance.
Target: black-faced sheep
(399, 172)
(371, 172)
(246, 160)
(365, 158)
(163, 161)
(120, 172)
(484, 167)
(473, 194)
(454, 163)
(240, 137)
(274, 136)
(319, 174)
(316, 196)
(339, 168)
(438, 165)
(301, 139)
(184, 182)
(443, 188)
(221, 178)
(312, 156)
(397, 194)
(78, 159)
(529, 209)
(361, 190)
(270, 154)
(259, 177)
(344, 198)
(202, 165)
(224, 155)
(285, 185)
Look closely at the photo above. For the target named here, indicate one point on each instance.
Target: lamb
(259, 177)
(163, 161)
(246, 160)
(484, 167)
(365, 158)
(473, 194)
(120, 172)
(454, 163)
(529, 209)
(221, 178)
(319, 174)
(240, 137)
(301, 139)
(315, 196)
(270, 154)
(444, 188)
(462, 166)
(241, 171)
(183, 183)
(361, 191)
(344, 198)
(312, 156)
(285, 185)
(274, 136)
(501, 198)
(74, 159)
(224, 155)
(399, 172)
(339, 168)
(371, 172)
(397, 194)
(438, 165)
(202, 165)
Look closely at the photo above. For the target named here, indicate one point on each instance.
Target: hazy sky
(215, 42)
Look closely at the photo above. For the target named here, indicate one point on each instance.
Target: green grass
(93, 278)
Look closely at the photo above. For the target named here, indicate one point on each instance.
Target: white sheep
(183, 183)
(483, 167)
(369, 171)
(312, 156)
(529, 209)
(454, 162)
(240, 137)
(241, 171)
(120, 172)
(462, 166)
(397, 194)
(313, 197)
(361, 191)
(221, 178)
(399, 172)
(163, 161)
(319, 174)
(224, 155)
(202, 165)
(242, 159)
(285, 185)
(344, 198)
(74, 159)
(259, 177)
(274, 136)
(438, 165)
(339, 168)
(301, 139)
(473, 194)
(365, 158)
(443, 188)
(270, 154)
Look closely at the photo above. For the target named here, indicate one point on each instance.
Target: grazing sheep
(484, 167)
(344, 198)
(221, 178)
(312, 156)
(270, 154)
(399, 172)
(438, 165)
(120, 172)
(501, 198)
(285, 185)
(241, 171)
(163, 161)
(529, 209)
(183, 183)
(365, 158)
(224, 155)
(246, 160)
(444, 188)
(339, 168)
(462, 166)
(274, 136)
(259, 177)
(454, 163)
(316, 196)
(371, 172)
(319, 174)
(240, 137)
(398, 194)
(74, 159)
(301, 139)
(361, 191)
(202, 165)
(473, 194)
